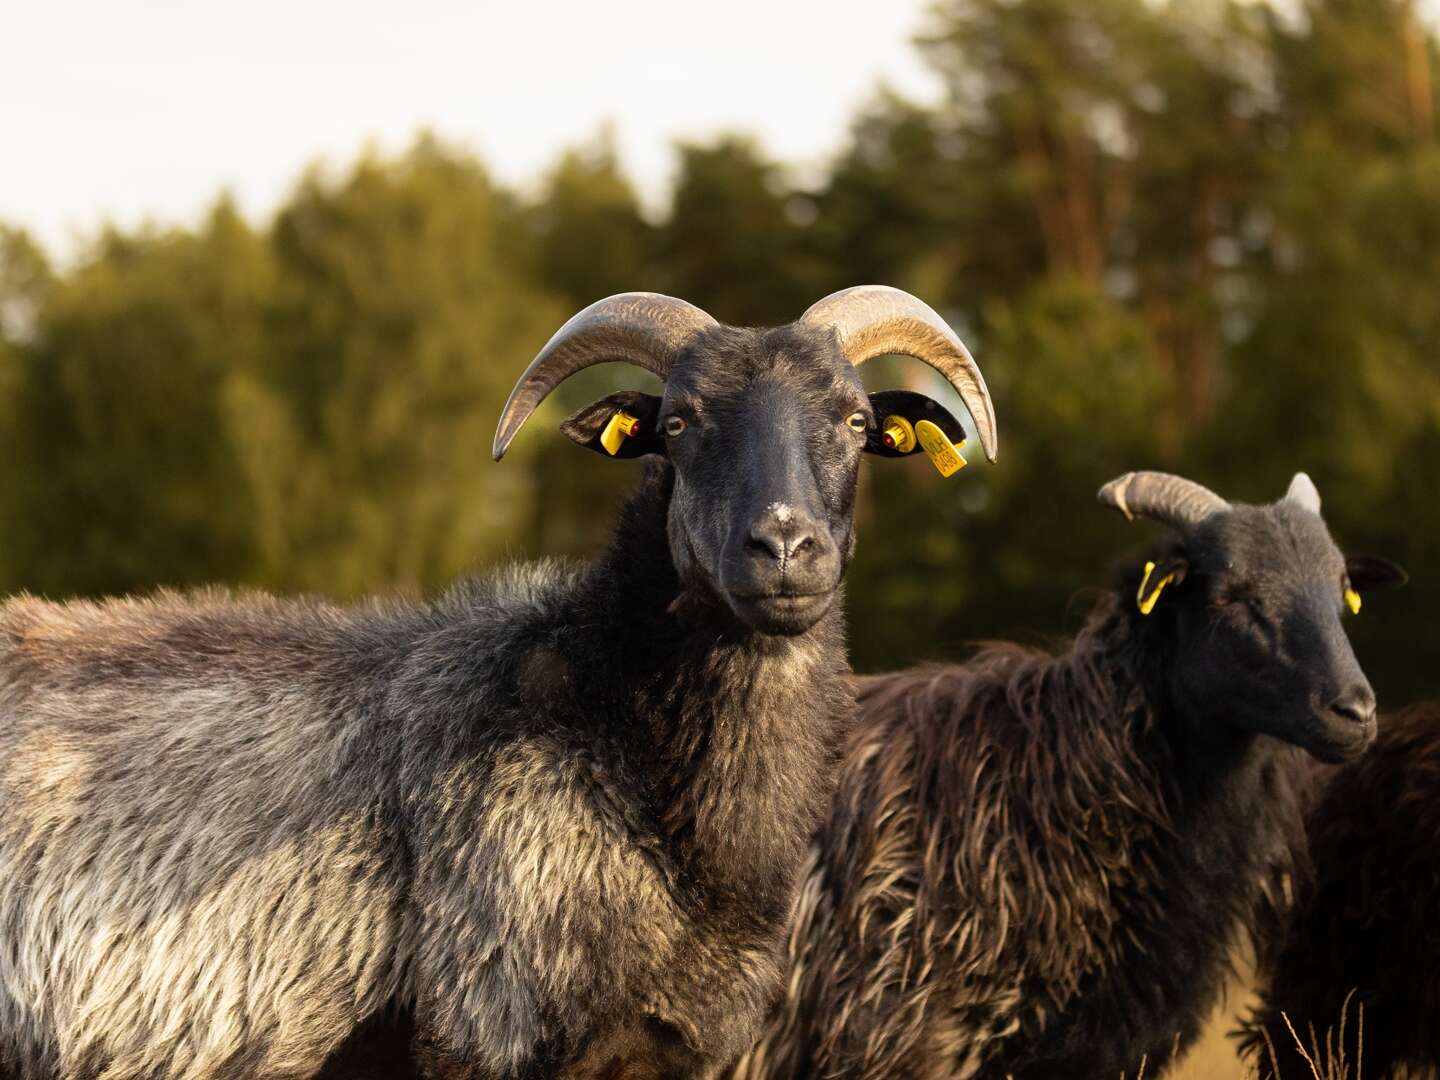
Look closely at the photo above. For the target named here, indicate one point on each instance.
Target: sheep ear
(618, 425)
(1372, 572)
(1157, 578)
(908, 423)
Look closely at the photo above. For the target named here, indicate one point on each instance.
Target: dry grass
(1214, 1057)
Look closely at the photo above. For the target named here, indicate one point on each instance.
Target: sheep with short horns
(1036, 865)
(551, 822)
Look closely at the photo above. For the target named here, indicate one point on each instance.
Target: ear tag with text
(897, 434)
(943, 454)
(1352, 600)
(1147, 597)
(621, 426)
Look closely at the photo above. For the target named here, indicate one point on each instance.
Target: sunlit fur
(1038, 865)
(1366, 935)
(557, 812)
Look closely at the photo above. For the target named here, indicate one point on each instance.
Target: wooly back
(234, 828)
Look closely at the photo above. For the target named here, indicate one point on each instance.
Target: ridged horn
(876, 320)
(1172, 499)
(644, 329)
(1303, 493)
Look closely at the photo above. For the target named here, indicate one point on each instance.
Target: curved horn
(1162, 496)
(876, 320)
(1303, 493)
(644, 329)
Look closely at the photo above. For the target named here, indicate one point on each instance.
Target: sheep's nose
(782, 552)
(782, 540)
(1356, 704)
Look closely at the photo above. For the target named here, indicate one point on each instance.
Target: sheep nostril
(1358, 708)
(770, 546)
(779, 542)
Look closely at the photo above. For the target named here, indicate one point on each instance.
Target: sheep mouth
(785, 613)
(1340, 738)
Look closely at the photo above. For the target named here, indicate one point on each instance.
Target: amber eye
(674, 426)
(858, 422)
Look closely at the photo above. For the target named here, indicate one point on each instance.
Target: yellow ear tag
(1352, 598)
(1146, 601)
(897, 434)
(943, 454)
(621, 426)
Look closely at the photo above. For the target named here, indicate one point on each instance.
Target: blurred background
(266, 281)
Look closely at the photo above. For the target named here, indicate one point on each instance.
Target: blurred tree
(1118, 141)
(898, 194)
(25, 279)
(1200, 120)
(734, 242)
(1041, 90)
(129, 480)
(914, 200)
(589, 238)
(398, 328)
(944, 562)
(1340, 374)
(1320, 54)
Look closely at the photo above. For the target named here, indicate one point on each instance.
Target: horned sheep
(553, 820)
(1036, 865)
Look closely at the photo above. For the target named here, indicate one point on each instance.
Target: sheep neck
(733, 732)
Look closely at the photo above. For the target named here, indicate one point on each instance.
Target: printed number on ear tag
(1352, 599)
(621, 426)
(943, 454)
(1146, 598)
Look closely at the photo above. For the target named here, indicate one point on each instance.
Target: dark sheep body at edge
(1365, 932)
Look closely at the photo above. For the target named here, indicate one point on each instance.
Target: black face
(765, 431)
(1257, 611)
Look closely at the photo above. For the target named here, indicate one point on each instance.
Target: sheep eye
(858, 422)
(1251, 606)
(1239, 599)
(674, 425)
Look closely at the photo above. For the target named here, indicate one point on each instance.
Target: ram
(1362, 945)
(1036, 865)
(551, 822)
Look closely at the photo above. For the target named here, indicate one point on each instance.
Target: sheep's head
(764, 430)
(1252, 601)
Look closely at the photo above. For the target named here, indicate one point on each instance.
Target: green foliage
(733, 241)
(1197, 234)
(587, 236)
(128, 476)
(1081, 396)
(396, 329)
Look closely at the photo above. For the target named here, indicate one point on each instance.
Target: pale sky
(123, 109)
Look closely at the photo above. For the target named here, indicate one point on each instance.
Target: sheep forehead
(730, 363)
(1278, 543)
